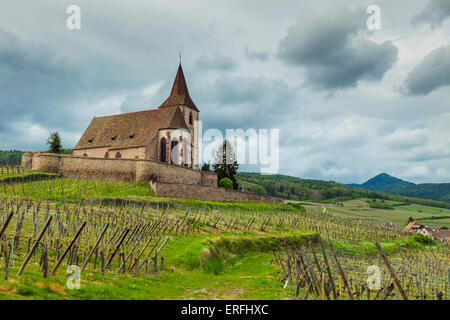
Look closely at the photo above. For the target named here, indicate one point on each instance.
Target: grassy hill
(298, 189)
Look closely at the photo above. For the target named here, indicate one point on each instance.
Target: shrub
(421, 239)
(226, 183)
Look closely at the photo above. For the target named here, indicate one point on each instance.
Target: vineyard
(119, 235)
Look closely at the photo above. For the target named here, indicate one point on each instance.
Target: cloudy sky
(349, 102)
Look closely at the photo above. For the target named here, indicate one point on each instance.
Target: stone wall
(209, 193)
(167, 180)
(116, 169)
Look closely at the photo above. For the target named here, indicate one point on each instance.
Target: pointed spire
(180, 93)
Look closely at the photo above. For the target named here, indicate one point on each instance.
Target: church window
(91, 140)
(162, 150)
(174, 152)
(132, 136)
(190, 118)
(114, 138)
(118, 155)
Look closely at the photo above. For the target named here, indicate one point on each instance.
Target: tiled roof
(180, 93)
(412, 225)
(130, 130)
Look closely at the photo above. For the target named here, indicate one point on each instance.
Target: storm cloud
(310, 69)
(434, 13)
(334, 50)
(431, 74)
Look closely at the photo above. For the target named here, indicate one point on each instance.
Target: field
(129, 244)
(360, 209)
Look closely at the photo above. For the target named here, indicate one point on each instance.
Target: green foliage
(226, 183)
(421, 239)
(381, 205)
(292, 188)
(410, 219)
(433, 191)
(12, 157)
(206, 166)
(225, 164)
(54, 143)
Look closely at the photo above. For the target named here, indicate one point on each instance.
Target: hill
(292, 188)
(12, 157)
(434, 191)
(384, 182)
(387, 183)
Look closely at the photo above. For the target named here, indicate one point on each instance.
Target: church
(168, 134)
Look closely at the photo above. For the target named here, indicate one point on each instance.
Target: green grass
(359, 209)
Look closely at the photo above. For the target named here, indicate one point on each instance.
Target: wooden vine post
(391, 271)
(35, 245)
(68, 248)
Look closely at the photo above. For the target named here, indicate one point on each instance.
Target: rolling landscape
(225, 159)
(190, 249)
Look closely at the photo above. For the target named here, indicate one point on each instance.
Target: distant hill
(384, 182)
(293, 188)
(434, 191)
(12, 157)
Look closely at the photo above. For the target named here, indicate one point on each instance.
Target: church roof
(130, 130)
(180, 93)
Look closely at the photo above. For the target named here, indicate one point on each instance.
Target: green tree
(410, 219)
(54, 143)
(225, 164)
(226, 183)
(206, 166)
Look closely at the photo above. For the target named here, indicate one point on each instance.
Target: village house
(436, 234)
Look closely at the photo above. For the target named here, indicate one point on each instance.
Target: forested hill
(293, 188)
(386, 183)
(12, 157)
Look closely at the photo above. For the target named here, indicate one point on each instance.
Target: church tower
(179, 97)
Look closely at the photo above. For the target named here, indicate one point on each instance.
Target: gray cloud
(216, 62)
(434, 13)
(334, 50)
(124, 59)
(432, 73)
(256, 55)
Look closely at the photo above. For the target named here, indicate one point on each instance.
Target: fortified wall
(167, 180)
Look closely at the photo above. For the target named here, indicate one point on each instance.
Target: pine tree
(54, 143)
(225, 164)
(206, 166)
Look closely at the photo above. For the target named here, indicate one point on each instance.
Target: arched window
(118, 155)
(174, 152)
(186, 153)
(191, 121)
(162, 150)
